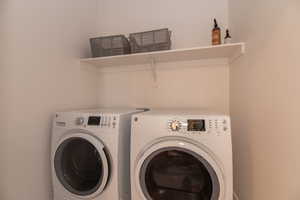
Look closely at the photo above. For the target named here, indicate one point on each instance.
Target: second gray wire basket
(155, 40)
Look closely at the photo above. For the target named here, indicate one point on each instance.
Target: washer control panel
(79, 121)
(100, 121)
(199, 125)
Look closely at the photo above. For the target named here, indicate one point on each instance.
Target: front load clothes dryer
(181, 155)
(90, 154)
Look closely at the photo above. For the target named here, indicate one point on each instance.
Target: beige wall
(179, 85)
(265, 99)
(40, 74)
(3, 103)
(182, 84)
(190, 21)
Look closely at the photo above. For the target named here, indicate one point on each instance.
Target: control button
(79, 121)
(225, 128)
(60, 123)
(104, 121)
(175, 125)
(108, 122)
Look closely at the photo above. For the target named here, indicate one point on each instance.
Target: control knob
(175, 125)
(79, 121)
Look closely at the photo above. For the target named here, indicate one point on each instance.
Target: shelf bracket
(153, 69)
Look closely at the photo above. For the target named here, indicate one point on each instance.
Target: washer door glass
(176, 174)
(79, 166)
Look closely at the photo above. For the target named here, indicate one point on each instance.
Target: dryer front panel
(81, 165)
(174, 172)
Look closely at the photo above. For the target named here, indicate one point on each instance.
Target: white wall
(40, 74)
(265, 99)
(181, 84)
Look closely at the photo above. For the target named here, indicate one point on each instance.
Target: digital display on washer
(196, 125)
(94, 120)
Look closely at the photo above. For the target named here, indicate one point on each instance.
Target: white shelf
(229, 51)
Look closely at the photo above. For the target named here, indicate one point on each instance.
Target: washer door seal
(81, 165)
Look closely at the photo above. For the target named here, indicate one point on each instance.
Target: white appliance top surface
(181, 112)
(120, 111)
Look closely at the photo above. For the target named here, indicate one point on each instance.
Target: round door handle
(80, 121)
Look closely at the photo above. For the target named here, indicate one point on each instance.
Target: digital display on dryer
(94, 120)
(196, 125)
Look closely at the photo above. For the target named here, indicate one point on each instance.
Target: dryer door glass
(176, 174)
(79, 166)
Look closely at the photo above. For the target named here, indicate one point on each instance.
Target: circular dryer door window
(176, 174)
(81, 166)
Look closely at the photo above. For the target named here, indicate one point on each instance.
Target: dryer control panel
(199, 125)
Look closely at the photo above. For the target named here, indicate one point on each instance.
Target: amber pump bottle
(216, 34)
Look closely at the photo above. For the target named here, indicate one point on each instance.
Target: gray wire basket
(155, 40)
(109, 46)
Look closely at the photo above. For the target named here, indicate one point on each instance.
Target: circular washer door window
(177, 174)
(80, 166)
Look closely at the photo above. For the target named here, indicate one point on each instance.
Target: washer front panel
(81, 165)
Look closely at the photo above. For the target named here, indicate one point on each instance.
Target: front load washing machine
(90, 154)
(181, 155)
